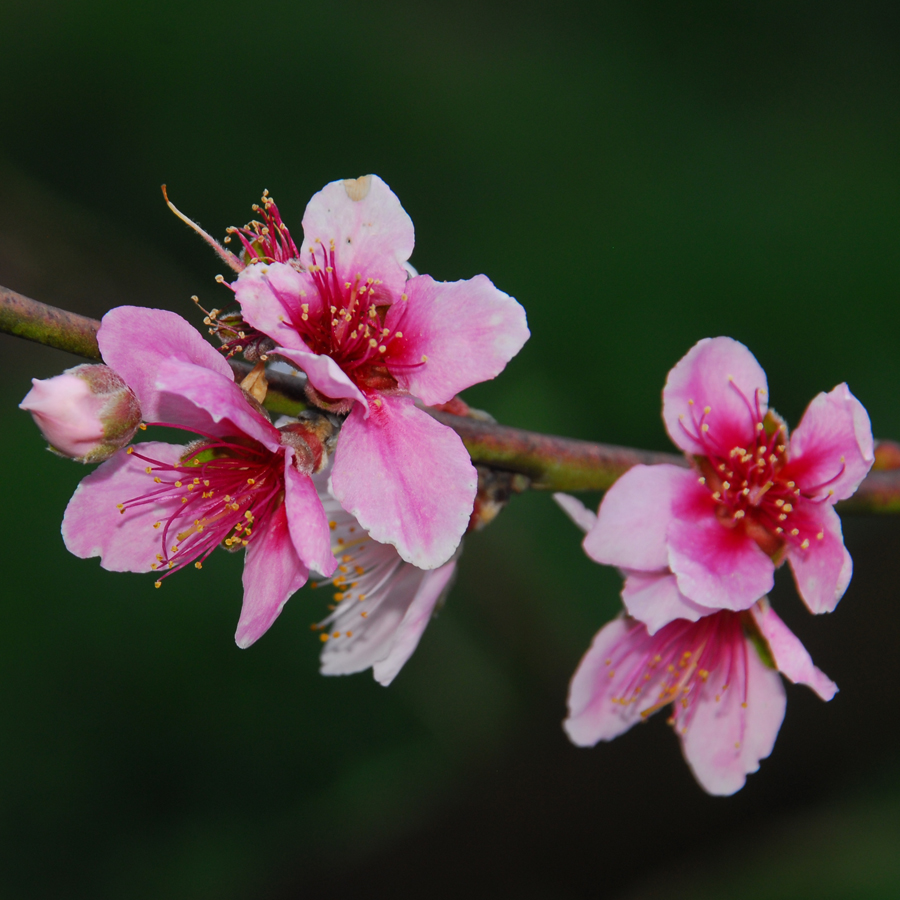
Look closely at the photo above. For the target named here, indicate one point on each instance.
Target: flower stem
(549, 462)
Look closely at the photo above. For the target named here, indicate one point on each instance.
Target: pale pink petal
(407, 479)
(454, 335)
(210, 403)
(325, 375)
(583, 517)
(723, 375)
(831, 450)
(716, 566)
(68, 413)
(790, 656)
(272, 574)
(634, 517)
(136, 341)
(654, 599)
(823, 570)
(595, 714)
(370, 231)
(271, 297)
(307, 521)
(726, 731)
(94, 526)
(433, 585)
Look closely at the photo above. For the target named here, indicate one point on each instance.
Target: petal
(654, 599)
(272, 573)
(210, 403)
(634, 516)
(791, 657)
(93, 525)
(716, 566)
(270, 296)
(728, 730)
(325, 375)
(831, 449)
(464, 331)
(307, 521)
(618, 650)
(722, 374)
(823, 570)
(136, 341)
(407, 479)
(371, 233)
(583, 517)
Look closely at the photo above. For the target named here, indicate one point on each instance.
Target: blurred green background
(639, 175)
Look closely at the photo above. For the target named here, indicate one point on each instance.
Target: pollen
(795, 531)
(805, 544)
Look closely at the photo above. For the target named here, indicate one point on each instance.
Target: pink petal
(68, 413)
(618, 649)
(634, 517)
(272, 574)
(407, 479)
(210, 403)
(325, 375)
(791, 657)
(725, 732)
(136, 341)
(307, 521)
(831, 449)
(371, 233)
(824, 569)
(716, 566)
(92, 524)
(270, 296)
(721, 374)
(583, 517)
(466, 331)
(654, 599)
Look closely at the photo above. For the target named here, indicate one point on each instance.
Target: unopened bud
(86, 414)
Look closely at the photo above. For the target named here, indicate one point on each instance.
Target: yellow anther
(704, 427)
(820, 535)
(739, 514)
(795, 531)
(157, 584)
(198, 564)
(805, 544)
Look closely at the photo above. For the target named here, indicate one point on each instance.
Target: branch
(551, 463)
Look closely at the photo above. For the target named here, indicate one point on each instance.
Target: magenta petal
(716, 566)
(272, 574)
(407, 479)
(791, 657)
(619, 649)
(654, 599)
(371, 233)
(325, 375)
(831, 449)
(307, 521)
(210, 403)
(634, 516)
(465, 331)
(270, 296)
(136, 341)
(726, 732)
(722, 374)
(93, 525)
(823, 570)
(583, 517)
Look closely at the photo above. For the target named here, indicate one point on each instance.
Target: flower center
(213, 496)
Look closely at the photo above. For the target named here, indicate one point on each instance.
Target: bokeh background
(639, 175)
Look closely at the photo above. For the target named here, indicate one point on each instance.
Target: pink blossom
(753, 498)
(720, 675)
(382, 604)
(158, 507)
(372, 339)
(86, 414)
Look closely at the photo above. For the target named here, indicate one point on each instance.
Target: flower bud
(87, 413)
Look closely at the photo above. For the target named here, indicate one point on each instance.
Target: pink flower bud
(87, 413)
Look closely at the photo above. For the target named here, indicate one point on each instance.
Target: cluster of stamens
(675, 664)
(268, 240)
(211, 497)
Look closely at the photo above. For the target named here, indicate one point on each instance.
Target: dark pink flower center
(679, 660)
(214, 496)
(752, 485)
